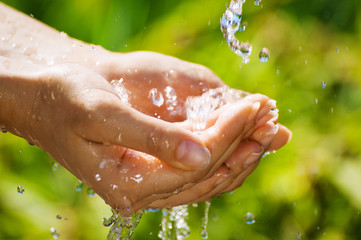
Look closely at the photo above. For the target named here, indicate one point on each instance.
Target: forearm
(25, 38)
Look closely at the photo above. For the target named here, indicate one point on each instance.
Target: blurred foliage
(310, 187)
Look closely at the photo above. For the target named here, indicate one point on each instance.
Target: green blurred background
(311, 187)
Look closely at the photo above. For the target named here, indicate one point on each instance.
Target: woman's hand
(138, 156)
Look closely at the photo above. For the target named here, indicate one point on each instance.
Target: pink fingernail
(193, 155)
(253, 157)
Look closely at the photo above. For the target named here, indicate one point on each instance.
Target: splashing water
(174, 223)
(204, 233)
(121, 90)
(156, 97)
(199, 108)
(122, 227)
(231, 23)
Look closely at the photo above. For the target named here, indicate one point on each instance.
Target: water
(121, 91)
(264, 55)
(59, 217)
(90, 192)
(231, 23)
(199, 108)
(174, 223)
(98, 177)
(79, 186)
(299, 235)
(122, 227)
(156, 97)
(204, 233)
(54, 166)
(250, 218)
(21, 189)
(54, 233)
(171, 98)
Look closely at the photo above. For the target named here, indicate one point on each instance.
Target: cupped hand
(133, 160)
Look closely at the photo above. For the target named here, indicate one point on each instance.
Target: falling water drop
(257, 2)
(90, 192)
(324, 84)
(264, 55)
(21, 189)
(156, 97)
(250, 219)
(54, 166)
(79, 186)
(54, 233)
(299, 235)
(58, 217)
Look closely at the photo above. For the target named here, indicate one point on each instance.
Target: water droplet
(316, 100)
(278, 72)
(107, 222)
(337, 50)
(90, 192)
(54, 233)
(79, 186)
(156, 97)
(289, 110)
(121, 91)
(54, 166)
(21, 189)
(299, 235)
(31, 15)
(98, 177)
(324, 84)
(257, 2)
(250, 219)
(58, 217)
(264, 55)
(171, 98)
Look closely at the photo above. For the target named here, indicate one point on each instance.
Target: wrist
(18, 87)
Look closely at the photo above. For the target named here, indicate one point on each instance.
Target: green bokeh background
(312, 186)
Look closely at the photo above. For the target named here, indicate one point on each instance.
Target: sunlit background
(310, 189)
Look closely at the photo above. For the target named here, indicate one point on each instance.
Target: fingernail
(222, 178)
(273, 130)
(193, 155)
(253, 157)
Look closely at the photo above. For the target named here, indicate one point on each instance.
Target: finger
(192, 194)
(116, 123)
(282, 137)
(246, 154)
(225, 135)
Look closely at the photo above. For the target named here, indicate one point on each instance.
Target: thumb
(119, 124)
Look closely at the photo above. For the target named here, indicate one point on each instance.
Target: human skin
(55, 92)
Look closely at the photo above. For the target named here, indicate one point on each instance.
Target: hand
(61, 99)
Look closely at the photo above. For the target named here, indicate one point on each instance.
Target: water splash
(121, 91)
(199, 108)
(171, 98)
(231, 23)
(204, 233)
(156, 97)
(174, 223)
(122, 227)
